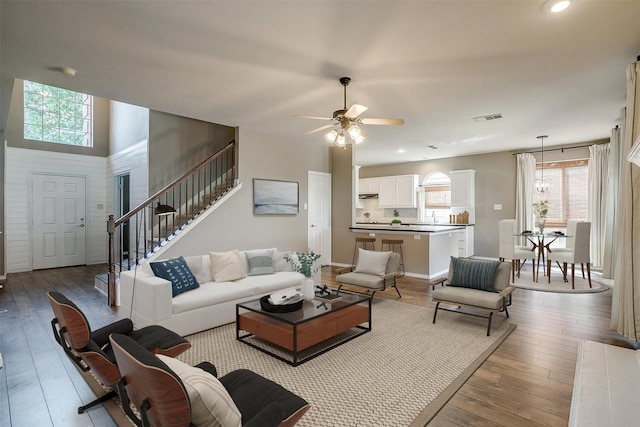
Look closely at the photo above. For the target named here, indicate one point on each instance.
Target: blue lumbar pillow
(474, 274)
(177, 272)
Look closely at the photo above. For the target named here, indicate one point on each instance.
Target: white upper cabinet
(368, 186)
(463, 188)
(397, 191)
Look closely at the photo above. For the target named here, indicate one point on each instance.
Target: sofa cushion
(210, 294)
(372, 262)
(245, 262)
(226, 266)
(262, 285)
(211, 404)
(177, 272)
(279, 263)
(474, 274)
(468, 296)
(199, 268)
(259, 263)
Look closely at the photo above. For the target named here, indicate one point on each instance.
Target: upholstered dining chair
(168, 392)
(507, 249)
(91, 351)
(578, 252)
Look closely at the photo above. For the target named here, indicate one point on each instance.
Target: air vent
(433, 147)
(488, 117)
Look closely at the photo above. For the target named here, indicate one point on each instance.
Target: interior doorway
(319, 215)
(121, 206)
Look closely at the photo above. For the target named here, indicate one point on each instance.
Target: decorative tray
(282, 308)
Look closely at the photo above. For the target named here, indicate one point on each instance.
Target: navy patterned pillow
(474, 274)
(177, 272)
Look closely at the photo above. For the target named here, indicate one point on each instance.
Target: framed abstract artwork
(273, 197)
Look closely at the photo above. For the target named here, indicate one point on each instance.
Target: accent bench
(478, 284)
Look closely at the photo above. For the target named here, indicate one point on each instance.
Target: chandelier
(339, 136)
(542, 185)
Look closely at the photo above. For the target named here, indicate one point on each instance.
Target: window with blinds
(568, 190)
(437, 189)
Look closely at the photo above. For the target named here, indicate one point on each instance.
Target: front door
(319, 215)
(59, 213)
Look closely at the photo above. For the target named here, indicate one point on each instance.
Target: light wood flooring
(527, 381)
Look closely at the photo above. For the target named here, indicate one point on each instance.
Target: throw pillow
(226, 266)
(279, 263)
(211, 404)
(474, 274)
(372, 262)
(199, 269)
(259, 263)
(177, 272)
(244, 260)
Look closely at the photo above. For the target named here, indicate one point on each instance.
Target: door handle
(81, 225)
(312, 225)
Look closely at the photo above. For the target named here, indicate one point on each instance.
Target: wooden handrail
(177, 181)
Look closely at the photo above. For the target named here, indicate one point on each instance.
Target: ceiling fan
(346, 121)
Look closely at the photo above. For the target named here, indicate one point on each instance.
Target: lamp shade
(162, 210)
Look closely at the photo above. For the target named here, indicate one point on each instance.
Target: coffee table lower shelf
(302, 341)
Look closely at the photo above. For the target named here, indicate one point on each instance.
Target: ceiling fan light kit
(346, 122)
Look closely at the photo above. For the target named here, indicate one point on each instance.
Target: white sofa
(211, 304)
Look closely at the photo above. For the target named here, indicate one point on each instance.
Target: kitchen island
(427, 248)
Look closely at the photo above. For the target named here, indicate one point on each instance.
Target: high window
(437, 188)
(53, 114)
(568, 191)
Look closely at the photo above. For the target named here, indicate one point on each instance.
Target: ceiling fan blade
(320, 128)
(313, 117)
(393, 122)
(354, 111)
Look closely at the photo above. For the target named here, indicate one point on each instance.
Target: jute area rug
(525, 281)
(399, 374)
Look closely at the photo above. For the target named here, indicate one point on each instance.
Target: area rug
(399, 374)
(558, 284)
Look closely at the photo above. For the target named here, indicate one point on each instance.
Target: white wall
(233, 225)
(21, 164)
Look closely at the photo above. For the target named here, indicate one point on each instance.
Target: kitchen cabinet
(463, 188)
(368, 186)
(397, 191)
(465, 242)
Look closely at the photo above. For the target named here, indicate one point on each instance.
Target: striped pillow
(474, 274)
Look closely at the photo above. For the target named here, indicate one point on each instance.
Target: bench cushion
(467, 296)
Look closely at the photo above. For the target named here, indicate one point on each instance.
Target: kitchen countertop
(408, 228)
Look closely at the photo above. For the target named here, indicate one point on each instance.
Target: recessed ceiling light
(401, 151)
(556, 6)
(68, 71)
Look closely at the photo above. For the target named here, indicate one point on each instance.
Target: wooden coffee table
(301, 335)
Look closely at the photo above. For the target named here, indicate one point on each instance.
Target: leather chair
(372, 282)
(507, 249)
(162, 397)
(91, 350)
(578, 252)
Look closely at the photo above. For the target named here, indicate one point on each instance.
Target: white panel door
(319, 215)
(58, 214)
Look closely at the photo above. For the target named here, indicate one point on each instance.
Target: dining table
(542, 243)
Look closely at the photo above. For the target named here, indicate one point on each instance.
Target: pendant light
(542, 185)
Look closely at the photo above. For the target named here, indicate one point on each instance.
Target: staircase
(152, 224)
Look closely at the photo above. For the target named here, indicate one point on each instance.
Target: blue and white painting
(274, 197)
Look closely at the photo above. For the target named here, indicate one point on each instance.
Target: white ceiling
(254, 64)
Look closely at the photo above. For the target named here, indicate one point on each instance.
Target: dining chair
(578, 252)
(508, 249)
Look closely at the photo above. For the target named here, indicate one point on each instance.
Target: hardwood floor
(527, 381)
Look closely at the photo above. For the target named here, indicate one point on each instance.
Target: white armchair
(508, 249)
(577, 252)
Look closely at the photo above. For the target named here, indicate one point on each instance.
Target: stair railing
(150, 225)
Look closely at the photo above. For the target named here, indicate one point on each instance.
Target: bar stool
(363, 241)
(391, 245)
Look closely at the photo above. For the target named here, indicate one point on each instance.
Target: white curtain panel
(598, 188)
(612, 200)
(627, 310)
(525, 187)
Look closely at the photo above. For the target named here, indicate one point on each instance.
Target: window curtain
(525, 186)
(597, 210)
(625, 313)
(616, 158)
